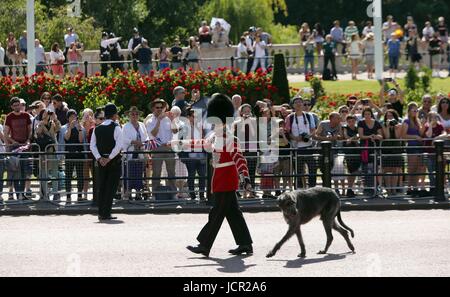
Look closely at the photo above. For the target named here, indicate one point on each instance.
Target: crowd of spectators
(358, 45)
(52, 126)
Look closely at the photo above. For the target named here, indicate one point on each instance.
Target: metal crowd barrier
(164, 177)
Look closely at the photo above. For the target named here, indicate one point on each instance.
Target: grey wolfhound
(300, 207)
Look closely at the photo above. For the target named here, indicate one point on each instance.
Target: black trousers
(225, 206)
(72, 166)
(108, 179)
(332, 60)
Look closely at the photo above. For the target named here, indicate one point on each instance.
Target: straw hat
(133, 109)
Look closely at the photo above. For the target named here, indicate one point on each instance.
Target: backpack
(327, 74)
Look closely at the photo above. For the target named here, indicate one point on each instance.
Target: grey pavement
(391, 243)
(44, 207)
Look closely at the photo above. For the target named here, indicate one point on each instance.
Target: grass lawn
(352, 87)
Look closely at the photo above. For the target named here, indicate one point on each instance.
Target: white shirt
(164, 132)
(40, 54)
(129, 134)
(249, 43)
(367, 30)
(299, 127)
(445, 123)
(107, 42)
(428, 32)
(260, 49)
(69, 38)
(241, 50)
(55, 56)
(117, 137)
(2, 56)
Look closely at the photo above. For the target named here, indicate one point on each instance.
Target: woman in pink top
(74, 56)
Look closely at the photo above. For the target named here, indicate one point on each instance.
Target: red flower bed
(130, 88)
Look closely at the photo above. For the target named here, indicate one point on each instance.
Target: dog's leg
(344, 234)
(291, 231)
(327, 224)
(302, 244)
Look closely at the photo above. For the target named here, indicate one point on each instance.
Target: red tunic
(226, 179)
(228, 162)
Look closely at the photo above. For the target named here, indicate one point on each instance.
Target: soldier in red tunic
(230, 169)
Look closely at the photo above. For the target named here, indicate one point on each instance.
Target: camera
(365, 101)
(50, 113)
(388, 79)
(305, 137)
(393, 123)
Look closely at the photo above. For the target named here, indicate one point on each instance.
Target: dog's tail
(343, 224)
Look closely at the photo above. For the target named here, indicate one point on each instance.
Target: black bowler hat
(110, 110)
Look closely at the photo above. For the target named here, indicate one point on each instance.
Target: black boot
(248, 249)
(199, 250)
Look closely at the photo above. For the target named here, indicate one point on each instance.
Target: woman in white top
(354, 52)
(134, 137)
(242, 55)
(260, 54)
(444, 113)
(57, 60)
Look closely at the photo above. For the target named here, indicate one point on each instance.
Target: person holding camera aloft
(301, 127)
(46, 134)
(395, 96)
(72, 134)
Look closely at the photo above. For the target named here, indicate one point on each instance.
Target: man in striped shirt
(230, 168)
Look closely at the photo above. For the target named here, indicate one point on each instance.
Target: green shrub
(280, 80)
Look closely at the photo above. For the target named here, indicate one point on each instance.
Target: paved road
(408, 243)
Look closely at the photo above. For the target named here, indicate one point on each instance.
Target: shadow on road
(298, 263)
(111, 222)
(234, 264)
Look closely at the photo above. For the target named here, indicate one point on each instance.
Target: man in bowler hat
(106, 145)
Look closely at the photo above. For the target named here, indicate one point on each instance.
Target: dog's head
(288, 204)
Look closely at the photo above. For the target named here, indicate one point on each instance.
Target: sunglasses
(307, 104)
(344, 111)
(444, 102)
(159, 107)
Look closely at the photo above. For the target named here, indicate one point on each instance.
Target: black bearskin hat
(220, 106)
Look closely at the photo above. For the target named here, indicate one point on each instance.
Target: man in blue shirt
(23, 45)
(393, 46)
(337, 34)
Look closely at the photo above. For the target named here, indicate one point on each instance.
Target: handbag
(44, 140)
(365, 153)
